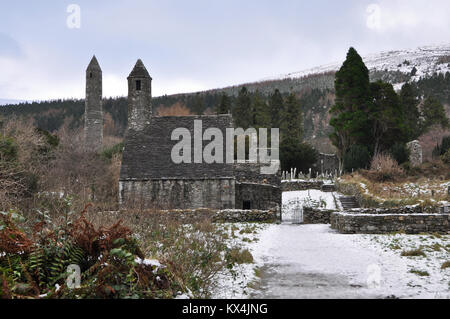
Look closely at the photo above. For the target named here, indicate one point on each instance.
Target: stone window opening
(90, 75)
(247, 205)
(138, 85)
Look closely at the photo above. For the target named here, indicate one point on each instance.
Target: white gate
(292, 212)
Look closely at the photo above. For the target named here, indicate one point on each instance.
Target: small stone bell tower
(139, 97)
(93, 112)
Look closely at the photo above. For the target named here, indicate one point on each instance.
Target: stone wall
(316, 216)
(189, 216)
(290, 186)
(258, 196)
(385, 221)
(241, 216)
(178, 193)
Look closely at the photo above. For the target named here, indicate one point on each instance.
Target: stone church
(150, 179)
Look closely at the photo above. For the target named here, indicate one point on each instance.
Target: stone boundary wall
(387, 222)
(245, 216)
(290, 186)
(189, 216)
(316, 216)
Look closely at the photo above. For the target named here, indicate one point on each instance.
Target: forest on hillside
(316, 94)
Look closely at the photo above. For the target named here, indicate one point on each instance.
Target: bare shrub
(21, 162)
(83, 175)
(383, 168)
(177, 109)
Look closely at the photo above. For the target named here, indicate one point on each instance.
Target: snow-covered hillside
(427, 60)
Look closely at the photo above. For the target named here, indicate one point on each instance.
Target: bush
(114, 150)
(357, 157)
(442, 148)
(238, 256)
(8, 149)
(400, 153)
(383, 167)
(300, 156)
(110, 260)
(446, 157)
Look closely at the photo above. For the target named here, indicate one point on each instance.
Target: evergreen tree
(409, 104)
(261, 112)
(434, 114)
(243, 113)
(297, 155)
(385, 116)
(292, 126)
(276, 107)
(224, 105)
(349, 116)
(198, 107)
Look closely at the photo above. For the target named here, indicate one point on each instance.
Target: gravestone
(415, 157)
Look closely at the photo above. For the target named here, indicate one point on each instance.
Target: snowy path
(313, 261)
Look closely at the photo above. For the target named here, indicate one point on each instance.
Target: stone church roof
(147, 153)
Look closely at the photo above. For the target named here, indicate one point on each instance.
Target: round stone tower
(139, 97)
(93, 112)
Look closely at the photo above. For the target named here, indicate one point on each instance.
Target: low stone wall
(239, 216)
(384, 221)
(190, 216)
(316, 216)
(291, 186)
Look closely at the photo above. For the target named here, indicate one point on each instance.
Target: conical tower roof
(93, 65)
(139, 71)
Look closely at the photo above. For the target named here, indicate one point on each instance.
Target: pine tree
(198, 106)
(224, 105)
(434, 114)
(243, 112)
(261, 112)
(386, 117)
(292, 126)
(409, 104)
(349, 114)
(276, 107)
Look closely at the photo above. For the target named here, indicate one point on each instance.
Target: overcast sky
(195, 45)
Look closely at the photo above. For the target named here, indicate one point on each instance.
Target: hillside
(428, 67)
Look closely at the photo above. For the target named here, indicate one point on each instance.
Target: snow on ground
(314, 261)
(312, 198)
(235, 284)
(426, 61)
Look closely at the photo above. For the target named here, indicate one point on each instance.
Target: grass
(436, 247)
(239, 256)
(446, 265)
(395, 194)
(421, 273)
(413, 253)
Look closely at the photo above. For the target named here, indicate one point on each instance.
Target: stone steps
(348, 202)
